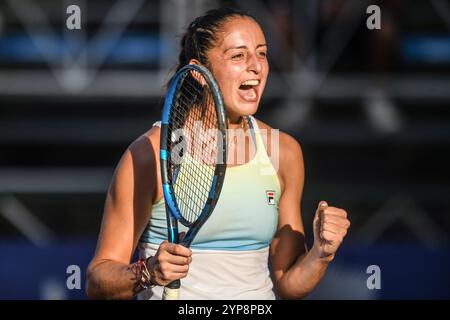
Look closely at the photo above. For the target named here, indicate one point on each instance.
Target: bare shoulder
(286, 151)
(138, 168)
(145, 148)
(153, 134)
(129, 199)
(288, 146)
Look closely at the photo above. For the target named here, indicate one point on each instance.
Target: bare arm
(127, 212)
(297, 271)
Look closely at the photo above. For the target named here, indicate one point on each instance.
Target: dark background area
(369, 107)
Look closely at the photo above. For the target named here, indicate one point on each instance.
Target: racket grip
(172, 291)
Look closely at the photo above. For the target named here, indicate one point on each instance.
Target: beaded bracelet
(144, 279)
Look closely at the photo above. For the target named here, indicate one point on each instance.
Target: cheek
(229, 78)
(265, 74)
(232, 73)
(266, 69)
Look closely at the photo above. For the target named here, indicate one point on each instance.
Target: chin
(242, 108)
(251, 109)
(247, 108)
(243, 112)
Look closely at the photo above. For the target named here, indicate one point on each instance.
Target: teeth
(250, 83)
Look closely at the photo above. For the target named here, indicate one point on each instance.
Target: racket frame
(172, 211)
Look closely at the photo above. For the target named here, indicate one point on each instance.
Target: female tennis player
(253, 245)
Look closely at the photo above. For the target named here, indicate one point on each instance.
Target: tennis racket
(193, 154)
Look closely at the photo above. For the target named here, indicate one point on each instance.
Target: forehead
(240, 31)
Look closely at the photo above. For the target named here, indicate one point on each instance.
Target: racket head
(193, 117)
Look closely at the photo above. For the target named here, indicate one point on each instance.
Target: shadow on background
(369, 107)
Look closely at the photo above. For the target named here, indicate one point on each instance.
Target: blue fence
(407, 272)
(132, 47)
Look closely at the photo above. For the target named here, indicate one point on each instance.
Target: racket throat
(173, 235)
(172, 228)
(189, 237)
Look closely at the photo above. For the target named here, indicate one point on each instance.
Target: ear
(197, 76)
(194, 61)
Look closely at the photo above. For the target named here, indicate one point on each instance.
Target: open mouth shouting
(249, 90)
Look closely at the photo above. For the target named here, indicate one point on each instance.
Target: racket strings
(192, 125)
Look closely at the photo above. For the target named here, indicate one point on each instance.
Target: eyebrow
(245, 47)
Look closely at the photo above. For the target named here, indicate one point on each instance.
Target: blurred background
(371, 109)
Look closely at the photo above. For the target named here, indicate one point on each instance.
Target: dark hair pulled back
(201, 34)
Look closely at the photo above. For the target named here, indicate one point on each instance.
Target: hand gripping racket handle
(172, 291)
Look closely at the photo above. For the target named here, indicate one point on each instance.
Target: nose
(254, 65)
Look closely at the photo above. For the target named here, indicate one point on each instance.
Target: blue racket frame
(172, 210)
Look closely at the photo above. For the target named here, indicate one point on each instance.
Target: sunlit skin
(238, 56)
(241, 55)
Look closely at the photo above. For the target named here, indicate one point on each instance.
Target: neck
(238, 123)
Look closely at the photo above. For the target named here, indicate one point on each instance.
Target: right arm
(127, 212)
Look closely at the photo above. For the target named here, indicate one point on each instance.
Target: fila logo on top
(270, 197)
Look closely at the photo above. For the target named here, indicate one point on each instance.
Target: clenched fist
(330, 227)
